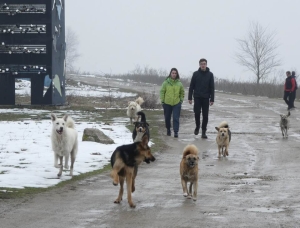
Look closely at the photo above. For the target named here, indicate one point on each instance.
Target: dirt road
(256, 186)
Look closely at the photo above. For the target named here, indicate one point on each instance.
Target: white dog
(133, 108)
(64, 142)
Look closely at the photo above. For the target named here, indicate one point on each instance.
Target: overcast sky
(117, 35)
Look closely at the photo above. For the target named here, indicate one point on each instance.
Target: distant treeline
(272, 88)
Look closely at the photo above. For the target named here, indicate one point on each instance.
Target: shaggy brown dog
(223, 138)
(189, 171)
(124, 161)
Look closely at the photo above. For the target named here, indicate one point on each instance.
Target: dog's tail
(69, 121)
(223, 124)
(190, 149)
(143, 116)
(139, 100)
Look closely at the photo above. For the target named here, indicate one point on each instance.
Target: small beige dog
(133, 108)
(189, 171)
(223, 138)
(284, 124)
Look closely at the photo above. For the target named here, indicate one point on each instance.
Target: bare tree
(257, 51)
(72, 43)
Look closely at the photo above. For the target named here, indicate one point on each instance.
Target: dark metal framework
(32, 45)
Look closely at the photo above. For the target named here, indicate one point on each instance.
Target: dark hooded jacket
(202, 85)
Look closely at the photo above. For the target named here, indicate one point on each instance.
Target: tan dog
(133, 108)
(223, 138)
(284, 124)
(189, 171)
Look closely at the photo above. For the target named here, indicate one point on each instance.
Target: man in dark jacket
(296, 87)
(202, 88)
(289, 89)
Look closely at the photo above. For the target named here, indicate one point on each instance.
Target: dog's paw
(57, 166)
(132, 205)
(117, 201)
(195, 199)
(189, 197)
(66, 167)
(115, 184)
(185, 194)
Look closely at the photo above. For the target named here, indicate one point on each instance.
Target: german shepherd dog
(223, 138)
(284, 124)
(124, 161)
(142, 127)
(189, 171)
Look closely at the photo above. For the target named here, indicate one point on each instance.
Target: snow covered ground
(23, 89)
(26, 157)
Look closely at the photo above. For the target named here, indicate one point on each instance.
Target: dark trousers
(201, 105)
(168, 110)
(293, 97)
(289, 98)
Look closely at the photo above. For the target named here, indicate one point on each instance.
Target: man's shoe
(175, 134)
(168, 132)
(204, 136)
(196, 132)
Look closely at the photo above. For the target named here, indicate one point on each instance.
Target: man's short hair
(288, 72)
(203, 60)
(293, 73)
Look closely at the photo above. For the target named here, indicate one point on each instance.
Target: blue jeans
(168, 110)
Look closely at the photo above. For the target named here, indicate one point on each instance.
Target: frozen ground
(26, 157)
(23, 88)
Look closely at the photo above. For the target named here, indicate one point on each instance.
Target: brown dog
(124, 161)
(223, 138)
(189, 171)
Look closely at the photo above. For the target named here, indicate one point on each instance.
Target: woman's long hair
(174, 69)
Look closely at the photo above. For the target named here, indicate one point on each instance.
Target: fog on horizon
(116, 36)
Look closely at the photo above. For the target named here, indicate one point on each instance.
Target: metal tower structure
(32, 45)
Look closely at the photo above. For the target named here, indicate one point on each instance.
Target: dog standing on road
(124, 161)
(189, 171)
(223, 138)
(64, 142)
(133, 108)
(284, 124)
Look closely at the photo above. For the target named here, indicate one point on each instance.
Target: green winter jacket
(171, 92)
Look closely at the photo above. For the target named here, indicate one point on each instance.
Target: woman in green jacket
(171, 97)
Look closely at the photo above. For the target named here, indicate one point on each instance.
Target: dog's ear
(145, 141)
(217, 128)
(198, 158)
(65, 118)
(281, 115)
(53, 117)
(129, 102)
